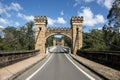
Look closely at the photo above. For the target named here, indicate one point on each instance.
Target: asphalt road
(58, 66)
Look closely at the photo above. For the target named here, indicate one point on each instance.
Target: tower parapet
(40, 19)
(76, 24)
(40, 31)
(77, 19)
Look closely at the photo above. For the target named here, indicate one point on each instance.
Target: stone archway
(42, 32)
(63, 31)
(61, 40)
(57, 42)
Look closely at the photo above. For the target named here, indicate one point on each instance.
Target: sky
(58, 12)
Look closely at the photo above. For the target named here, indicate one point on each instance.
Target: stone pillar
(62, 42)
(76, 25)
(54, 42)
(40, 30)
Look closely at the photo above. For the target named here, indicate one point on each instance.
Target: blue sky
(58, 12)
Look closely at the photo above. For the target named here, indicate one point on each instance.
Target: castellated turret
(40, 19)
(76, 19)
(76, 25)
(42, 32)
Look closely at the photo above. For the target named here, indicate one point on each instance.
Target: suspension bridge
(60, 62)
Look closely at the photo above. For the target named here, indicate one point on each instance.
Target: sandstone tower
(42, 33)
(41, 23)
(76, 25)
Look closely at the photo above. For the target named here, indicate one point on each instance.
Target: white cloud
(14, 6)
(51, 21)
(1, 31)
(1, 8)
(17, 23)
(77, 2)
(1, 27)
(25, 17)
(3, 21)
(106, 3)
(99, 28)
(88, 0)
(4, 9)
(89, 18)
(59, 20)
(99, 1)
(62, 13)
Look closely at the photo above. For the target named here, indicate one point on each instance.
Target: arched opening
(58, 40)
(59, 37)
(51, 34)
(41, 23)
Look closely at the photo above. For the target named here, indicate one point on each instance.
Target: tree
(30, 35)
(67, 41)
(93, 40)
(112, 29)
(18, 39)
(114, 15)
(10, 34)
(49, 41)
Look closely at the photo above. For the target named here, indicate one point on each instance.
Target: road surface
(58, 66)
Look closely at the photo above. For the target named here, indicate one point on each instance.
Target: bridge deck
(105, 71)
(10, 70)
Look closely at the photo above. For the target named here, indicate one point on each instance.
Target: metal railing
(7, 58)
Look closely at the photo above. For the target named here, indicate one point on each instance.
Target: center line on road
(90, 77)
(39, 69)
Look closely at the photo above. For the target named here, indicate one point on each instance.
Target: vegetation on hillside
(18, 39)
(108, 38)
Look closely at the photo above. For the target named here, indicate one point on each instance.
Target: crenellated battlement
(77, 19)
(58, 29)
(40, 19)
(74, 32)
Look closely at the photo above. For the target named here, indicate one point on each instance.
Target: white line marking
(90, 77)
(39, 69)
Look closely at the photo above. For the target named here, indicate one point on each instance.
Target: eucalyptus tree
(30, 35)
(112, 29)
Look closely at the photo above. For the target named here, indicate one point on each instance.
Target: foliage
(112, 29)
(109, 37)
(49, 41)
(114, 15)
(106, 39)
(94, 40)
(18, 39)
(67, 41)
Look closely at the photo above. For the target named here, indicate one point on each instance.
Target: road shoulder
(105, 72)
(15, 69)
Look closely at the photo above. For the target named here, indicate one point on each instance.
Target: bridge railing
(7, 58)
(110, 58)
